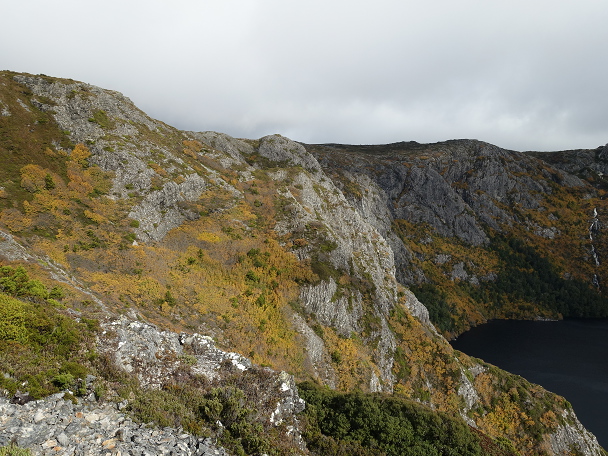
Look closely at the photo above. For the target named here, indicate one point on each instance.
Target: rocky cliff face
(283, 255)
(458, 188)
(590, 165)
(466, 195)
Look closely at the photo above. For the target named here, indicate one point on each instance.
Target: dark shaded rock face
(590, 164)
(457, 188)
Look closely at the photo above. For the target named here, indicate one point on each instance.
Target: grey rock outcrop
(332, 310)
(12, 250)
(287, 153)
(154, 356)
(342, 239)
(139, 151)
(346, 242)
(467, 391)
(159, 211)
(457, 188)
(572, 437)
(316, 352)
(373, 205)
(56, 426)
(4, 111)
(77, 102)
(589, 164)
(137, 348)
(418, 310)
(229, 146)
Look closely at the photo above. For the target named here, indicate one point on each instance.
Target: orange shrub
(33, 178)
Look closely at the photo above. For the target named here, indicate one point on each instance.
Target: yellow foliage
(80, 154)
(51, 249)
(430, 361)
(190, 153)
(33, 178)
(80, 183)
(502, 420)
(208, 237)
(549, 419)
(45, 201)
(158, 169)
(14, 220)
(351, 360)
(29, 208)
(194, 145)
(94, 217)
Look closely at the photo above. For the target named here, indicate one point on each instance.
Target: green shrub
(100, 117)
(324, 269)
(63, 381)
(258, 259)
(328, 246)
(435, 300)
(379, 424)
(199, 408)
(56, 293)
(16, 282)
(169, 299)
(49, 183)
(40, 348)
(13, 450)
(76, 370)
(252, 277)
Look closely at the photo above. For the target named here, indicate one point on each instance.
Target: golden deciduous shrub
(80, 154)
(158, 169)
(33, 178)
(14, 220)
(80, 182)
(192, 147)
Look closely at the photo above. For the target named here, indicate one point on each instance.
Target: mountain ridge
(290, 256)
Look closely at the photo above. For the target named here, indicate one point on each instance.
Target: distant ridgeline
(192, 279)
(481, 232)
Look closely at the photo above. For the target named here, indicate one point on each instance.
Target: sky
(520, 74)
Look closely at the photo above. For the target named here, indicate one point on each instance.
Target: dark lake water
(567, 357)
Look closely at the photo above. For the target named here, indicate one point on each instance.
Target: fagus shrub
(380, 424)
(224, 410)
(34, 340)
(41, 350)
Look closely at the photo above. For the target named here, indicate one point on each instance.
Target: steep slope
(296, 261)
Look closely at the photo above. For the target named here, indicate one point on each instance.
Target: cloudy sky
(521, 74)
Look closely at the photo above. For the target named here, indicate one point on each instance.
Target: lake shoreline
(565, 356)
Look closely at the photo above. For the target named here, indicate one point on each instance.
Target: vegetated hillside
(297, 261)
(481, 232)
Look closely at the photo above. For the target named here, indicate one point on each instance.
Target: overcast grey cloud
(525, 75)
